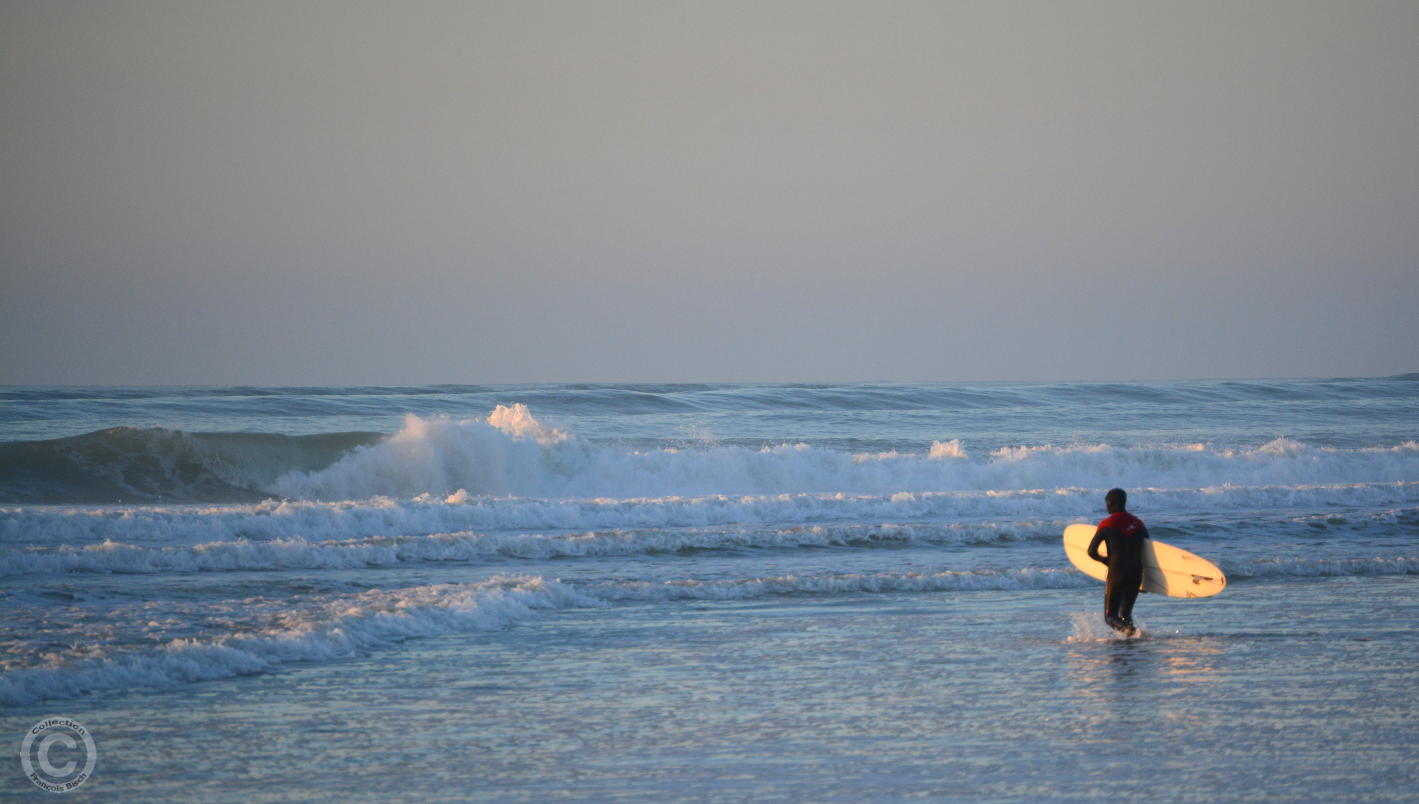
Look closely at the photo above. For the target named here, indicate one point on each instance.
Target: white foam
(343, 626)
(512, 453)
(466, 512)
(1323, 567)
(947, 450)
(382, 531)
(517, 421)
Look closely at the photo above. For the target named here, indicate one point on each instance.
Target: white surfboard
(1167, 570)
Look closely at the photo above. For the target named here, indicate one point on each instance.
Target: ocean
(769, 592)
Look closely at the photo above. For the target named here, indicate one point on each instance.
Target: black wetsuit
(1124, 534)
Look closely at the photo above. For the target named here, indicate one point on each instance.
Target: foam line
(321, 521)
(345, 626)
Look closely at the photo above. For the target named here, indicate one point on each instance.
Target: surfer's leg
(1128, 594)
(1126, 601)
(1113, 601)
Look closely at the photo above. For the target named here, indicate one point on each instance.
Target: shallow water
(1282, 690)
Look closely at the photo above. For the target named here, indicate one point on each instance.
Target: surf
(510, 452)
(659, 441)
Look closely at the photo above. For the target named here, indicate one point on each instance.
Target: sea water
(708, 592)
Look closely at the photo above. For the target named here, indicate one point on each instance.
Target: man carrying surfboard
(1123, 533)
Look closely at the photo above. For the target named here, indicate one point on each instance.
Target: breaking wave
(511, 453)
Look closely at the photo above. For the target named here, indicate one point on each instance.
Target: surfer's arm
(1094, 547)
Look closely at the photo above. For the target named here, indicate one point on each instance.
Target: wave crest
(511, 453)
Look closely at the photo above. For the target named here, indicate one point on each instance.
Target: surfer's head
(1115, 500)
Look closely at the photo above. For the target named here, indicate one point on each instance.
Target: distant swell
(134, 464)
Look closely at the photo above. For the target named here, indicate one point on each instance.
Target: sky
(276, 193)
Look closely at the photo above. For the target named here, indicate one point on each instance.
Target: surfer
(1124, 534)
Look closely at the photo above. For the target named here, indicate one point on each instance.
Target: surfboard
(1167, 570)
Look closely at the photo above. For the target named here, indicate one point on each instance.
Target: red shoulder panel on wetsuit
(1123, 522)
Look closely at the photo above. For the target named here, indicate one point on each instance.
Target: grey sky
(380, 192)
